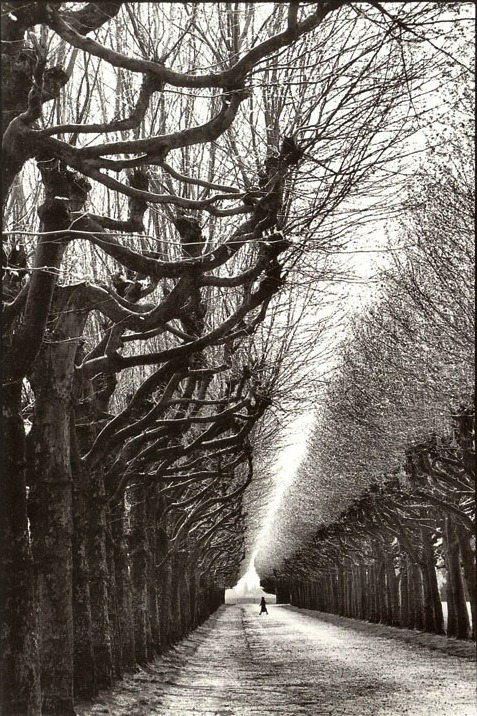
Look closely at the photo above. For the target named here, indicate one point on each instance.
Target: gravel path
(297, 662)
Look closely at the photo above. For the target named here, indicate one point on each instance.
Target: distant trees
(389, 481)
(169, 172)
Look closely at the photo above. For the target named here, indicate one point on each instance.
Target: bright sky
(287, 464)
(363, 262)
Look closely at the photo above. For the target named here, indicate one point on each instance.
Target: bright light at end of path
(250, 582)
(288, 462)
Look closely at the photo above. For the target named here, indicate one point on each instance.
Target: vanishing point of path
(298, 662)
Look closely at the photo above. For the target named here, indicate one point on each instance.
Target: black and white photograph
(238, 423)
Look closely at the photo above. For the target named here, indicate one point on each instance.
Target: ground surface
(296, 661)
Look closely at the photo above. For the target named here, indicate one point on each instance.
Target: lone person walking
(263, 606)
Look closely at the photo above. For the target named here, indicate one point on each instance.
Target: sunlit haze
(287, 463)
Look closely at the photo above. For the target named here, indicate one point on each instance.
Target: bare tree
(180, 186)
(388, 475)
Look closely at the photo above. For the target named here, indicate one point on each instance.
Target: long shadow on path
(293, 662)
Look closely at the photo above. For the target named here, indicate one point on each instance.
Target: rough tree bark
(20, 674)
(99, 581)
(123, 583)
(458, 625)
(84, 668)
(50, 508)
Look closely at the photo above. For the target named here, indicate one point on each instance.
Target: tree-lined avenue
(297, 662)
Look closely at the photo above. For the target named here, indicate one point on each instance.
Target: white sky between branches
(367, 255)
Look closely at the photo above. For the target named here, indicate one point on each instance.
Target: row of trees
(171, 179)
(379, 560)
(389, 483)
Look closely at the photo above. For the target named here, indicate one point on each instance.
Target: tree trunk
(50, 507)
(113, 611)
(51, 366)
(418, 597)
(19, 675)
(433, 616)
(361, 581)
(99, 582)
(200, 600)
(283, 592)
(392, 587)
(372, 593)
(381, 587)
(461, 628)
(340, 592)
(84, 671)
(403, 592)
(154, 629)
(451, 628)
(184, 594)
(193, 593)
(468, 563)
(176, 577)
(165, 611)
(334, 606)
(138, 552)
(123, 584)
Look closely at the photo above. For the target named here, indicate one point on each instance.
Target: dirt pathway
(294, 662)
